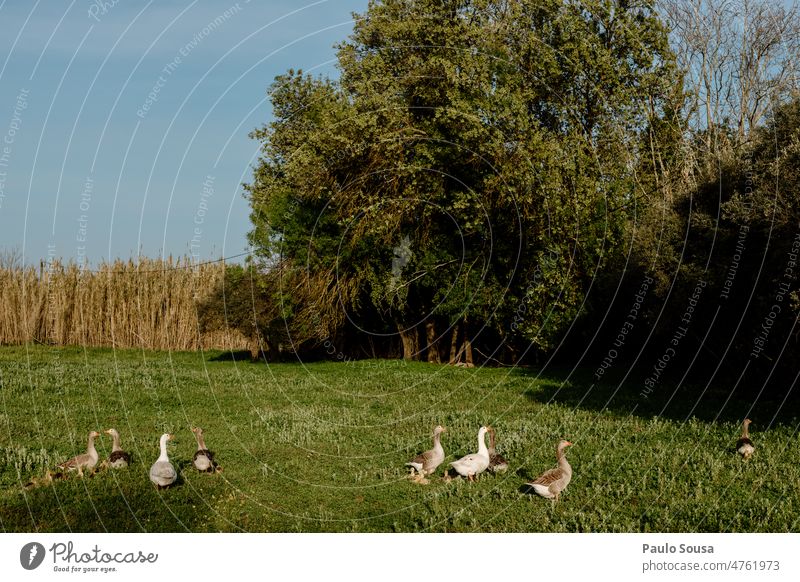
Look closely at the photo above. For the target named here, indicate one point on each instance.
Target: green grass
(321, 447)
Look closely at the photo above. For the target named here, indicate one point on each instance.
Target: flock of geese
(162, 472)
(549, 484)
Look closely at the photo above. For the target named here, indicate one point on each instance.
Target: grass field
(321, 447)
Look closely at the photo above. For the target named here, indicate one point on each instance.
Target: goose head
(111, 431)
(94, 434)
(439, 430)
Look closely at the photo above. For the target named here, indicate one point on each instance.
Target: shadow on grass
(233, 356)
(115, 501)
(709, 404)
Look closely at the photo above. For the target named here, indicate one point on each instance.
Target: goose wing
(75, 462)
(119, 456)
(425, 458)
(548, 477)
(163, 472)
(204, 453)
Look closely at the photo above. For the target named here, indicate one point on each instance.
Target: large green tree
(467, 176)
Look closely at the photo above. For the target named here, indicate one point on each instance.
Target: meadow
(322, 446)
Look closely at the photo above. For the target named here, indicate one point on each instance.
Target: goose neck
(201, 442)
(482, 450)
(437, 442)
(563, 464)
(163, 456)
(115, 443)
(90, 447)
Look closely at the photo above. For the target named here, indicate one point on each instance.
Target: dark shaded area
(719, 402)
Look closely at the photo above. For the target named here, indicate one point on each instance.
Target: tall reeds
(150, 304)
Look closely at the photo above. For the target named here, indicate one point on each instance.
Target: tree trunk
(454, 345)
(410, 339)
(260, 346)
(433, 348)
(255, 348)
(468, 352)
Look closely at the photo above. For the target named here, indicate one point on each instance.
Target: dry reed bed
(149, 304)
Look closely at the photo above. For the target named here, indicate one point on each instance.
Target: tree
(497, 142)
(740, 59)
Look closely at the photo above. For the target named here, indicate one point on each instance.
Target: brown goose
(744, 446)
(203, 458)
(87, 460)
(497, 463)
(118, 459)
(551, 483)
(427, 462)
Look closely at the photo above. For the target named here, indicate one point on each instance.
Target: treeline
(507, 182)
(147, 304)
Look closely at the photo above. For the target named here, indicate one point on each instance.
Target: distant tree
(740, 58)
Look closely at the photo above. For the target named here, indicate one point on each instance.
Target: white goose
(162, 473)
(473, 465)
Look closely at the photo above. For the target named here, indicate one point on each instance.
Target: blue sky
(91, 166)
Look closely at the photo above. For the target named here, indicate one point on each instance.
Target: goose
(118, 459)
(203, 458)
(427, 462)
(551, 483)
(744, 446)
(497, 463)
(87, 460)
(473, 465)
(162, 473)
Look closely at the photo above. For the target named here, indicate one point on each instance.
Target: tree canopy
(472, 169)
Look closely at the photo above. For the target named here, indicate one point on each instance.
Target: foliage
(500, 139)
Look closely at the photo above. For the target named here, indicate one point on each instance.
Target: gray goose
(118, 459)
(162, 473)
(87, 460)
(426, 463)
(203, 459)
(551, 483)
(744, 446)
(497, 463)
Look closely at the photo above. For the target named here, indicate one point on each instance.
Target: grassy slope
(322, 447)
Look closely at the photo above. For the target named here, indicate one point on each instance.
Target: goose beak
(569, 444)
